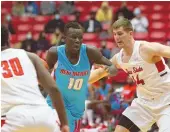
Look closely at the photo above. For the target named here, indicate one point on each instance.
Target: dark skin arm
(95, 56)
(50, 87)
(52, 57)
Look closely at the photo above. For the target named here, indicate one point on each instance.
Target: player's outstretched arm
(157, 49)
(49, 85)
(51, 57)
(99, 73)
(96, 57)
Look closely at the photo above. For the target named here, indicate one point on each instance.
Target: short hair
(4, 35)
(123, 22)
(75, 25)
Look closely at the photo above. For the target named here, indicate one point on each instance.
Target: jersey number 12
(75, 84)
(11, 67)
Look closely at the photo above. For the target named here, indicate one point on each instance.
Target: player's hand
(65, 128)
(112, 70)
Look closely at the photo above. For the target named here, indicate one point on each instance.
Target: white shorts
(27, 116)
(145, 116)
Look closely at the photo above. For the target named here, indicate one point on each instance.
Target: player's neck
(128, 49)
(72, 54)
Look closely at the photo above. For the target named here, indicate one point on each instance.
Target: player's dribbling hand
(112, 70)
(65, 128)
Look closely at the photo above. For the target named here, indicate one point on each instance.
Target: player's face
(74, 39)
(121, 36)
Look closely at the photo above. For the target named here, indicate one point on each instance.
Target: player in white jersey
(22, 104)
(144, 63)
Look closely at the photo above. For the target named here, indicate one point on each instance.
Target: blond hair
(122, 22)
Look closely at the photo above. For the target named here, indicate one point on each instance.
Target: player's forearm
(58, 104)
(97, 74)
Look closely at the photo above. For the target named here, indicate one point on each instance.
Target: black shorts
(128, 124)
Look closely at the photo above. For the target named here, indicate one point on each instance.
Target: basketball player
(73, 62)
(144, 63)
(22, 104)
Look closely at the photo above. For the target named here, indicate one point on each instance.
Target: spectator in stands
(8, 23)
(67, 7)
(104, 13)
(100, 105)
(29, 44)
(123, 11)
(104, 50)
(56, 38)
(77, 17)
(42, 43)
(140, 23)
(31, 8)
(47, 7)
(18, 8)
(57, 22)
(92, 25)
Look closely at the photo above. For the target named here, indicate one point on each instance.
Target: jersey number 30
(75, 84)
(11, 67)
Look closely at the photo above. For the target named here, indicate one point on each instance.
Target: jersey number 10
(11, 67)
(75, 84)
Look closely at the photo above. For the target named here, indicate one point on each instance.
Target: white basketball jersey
(153, 80)
(18, 81)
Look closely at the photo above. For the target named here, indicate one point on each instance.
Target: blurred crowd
(107, 98)
(97, 22)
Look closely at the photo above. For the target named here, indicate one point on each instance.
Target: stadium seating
(157, 12)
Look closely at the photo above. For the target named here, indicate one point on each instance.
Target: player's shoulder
(53, 49)
(16, 50)
(144, 45)
(147, 48)
(91, 48)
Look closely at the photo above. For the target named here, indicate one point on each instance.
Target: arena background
(36, 26)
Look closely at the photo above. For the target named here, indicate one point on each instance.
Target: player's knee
(121, 129)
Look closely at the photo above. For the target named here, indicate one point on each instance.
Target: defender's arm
(52, 57)
(97, 74)
(49, 85)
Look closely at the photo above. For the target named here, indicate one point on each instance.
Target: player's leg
(77, 125)
(164, 120)
(137, 116)
(126, 125)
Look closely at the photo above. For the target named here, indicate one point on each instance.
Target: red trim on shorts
(2, 122)
(77, 126)
(160, 66)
